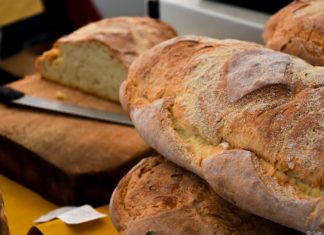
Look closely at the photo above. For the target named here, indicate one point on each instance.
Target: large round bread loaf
(247, 119)
(158, 197)
(298, 29)
(96, 57)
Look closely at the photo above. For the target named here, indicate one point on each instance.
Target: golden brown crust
(159, 197)
(298, 29)
(126, 37)
(194, 98)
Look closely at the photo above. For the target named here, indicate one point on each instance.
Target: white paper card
(80, 215)
(53, 214)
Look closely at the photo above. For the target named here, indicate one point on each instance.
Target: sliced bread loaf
(96, 57)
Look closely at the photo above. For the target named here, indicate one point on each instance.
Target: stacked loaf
(3, 220)
(298, 29)
(96, 57)
(159, 197)
(247, 119)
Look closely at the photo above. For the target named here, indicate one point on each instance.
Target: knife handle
(8, 94)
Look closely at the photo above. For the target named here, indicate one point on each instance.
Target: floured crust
(245, 71)
(298, 29)
(4, 230)
(159, 197)
(188, 99)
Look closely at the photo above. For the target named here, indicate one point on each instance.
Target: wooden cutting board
(68, 160)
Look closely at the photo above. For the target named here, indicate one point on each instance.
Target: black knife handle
(8, 94)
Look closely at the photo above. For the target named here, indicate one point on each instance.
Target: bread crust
(180, 97)
(158, 196)
(125, 37)
(298, 29)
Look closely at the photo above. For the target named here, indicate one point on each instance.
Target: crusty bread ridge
(159, 197)
(4, 230)
(96, 57)
(298, 29)
(245, 118)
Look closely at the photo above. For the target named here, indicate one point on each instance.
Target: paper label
(81, 215)
(53, 214)
(72, 215)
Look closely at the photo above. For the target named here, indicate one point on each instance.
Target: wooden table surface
(66, 159)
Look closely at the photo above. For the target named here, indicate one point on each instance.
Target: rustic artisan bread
(247, 119)
(96, 57)
(3, 220)
(298, 29)
(158, 197)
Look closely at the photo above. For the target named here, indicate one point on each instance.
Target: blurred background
(29, 27)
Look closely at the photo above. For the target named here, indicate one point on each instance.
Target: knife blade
(11, 96)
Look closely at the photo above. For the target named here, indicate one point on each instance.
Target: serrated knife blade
(11, 96)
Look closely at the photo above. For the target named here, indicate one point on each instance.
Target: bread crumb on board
(60, 95)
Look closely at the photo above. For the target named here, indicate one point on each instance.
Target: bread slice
(96, 57)
(298, 29)
(247, 119)
(4, 230)
(159, 197)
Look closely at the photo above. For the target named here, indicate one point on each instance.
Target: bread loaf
(298, 29)
(4, 230)
(96, 57)
(247, 119)
(158, 197)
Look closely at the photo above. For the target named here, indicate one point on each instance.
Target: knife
(12, 96)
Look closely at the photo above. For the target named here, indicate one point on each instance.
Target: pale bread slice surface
(96, 57)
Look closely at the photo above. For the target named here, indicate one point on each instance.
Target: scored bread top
(127, 37)
(195, 98)
(298, 29)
